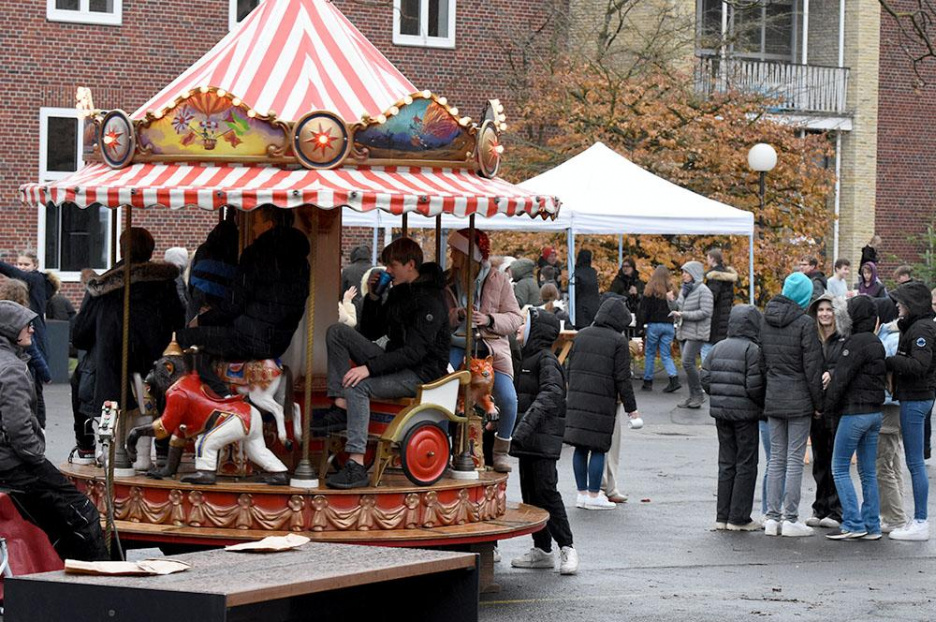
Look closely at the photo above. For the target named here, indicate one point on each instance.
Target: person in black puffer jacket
(834, 326)
(793, 360)
(586, 290)
(414, 319)
(914, 373)
(627, 283)
(599, 377)
(734, 378)
(537, 439)
(857, 391)
(721, 281)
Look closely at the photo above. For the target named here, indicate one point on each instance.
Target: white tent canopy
(602, 192)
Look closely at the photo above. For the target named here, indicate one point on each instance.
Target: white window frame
(84, 14)
(423, 39)
(232, 14)
(45, 175)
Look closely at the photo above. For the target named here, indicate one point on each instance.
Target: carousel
(296, 108)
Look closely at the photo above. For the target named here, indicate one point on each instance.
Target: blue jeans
(765, 443)
(504, 392)
(858, 434)
(659, 337)
(588, 467)
(912, 418)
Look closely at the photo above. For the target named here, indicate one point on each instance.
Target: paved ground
(658, 560)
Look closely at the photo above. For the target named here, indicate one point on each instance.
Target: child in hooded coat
(537, 439)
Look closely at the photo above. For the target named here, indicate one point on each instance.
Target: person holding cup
(733, 376)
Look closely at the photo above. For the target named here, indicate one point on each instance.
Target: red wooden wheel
(425, 453)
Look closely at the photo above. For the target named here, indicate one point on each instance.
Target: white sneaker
(600, 502)
(828, 522)
(534, 558)
(720, 526)
(751, 526)
(795, 530)
(813, 521)
(915, 530)
(568, 560)
(580, 500)
(497, 555)
(771, 527)
(889, 527)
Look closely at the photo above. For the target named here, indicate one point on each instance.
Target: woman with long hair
(654, 319)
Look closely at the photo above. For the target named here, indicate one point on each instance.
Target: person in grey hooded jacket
(42, 495)
(526, 290)
(693, 314)
(733, 375)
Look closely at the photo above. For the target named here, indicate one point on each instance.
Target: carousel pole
(304, 476)
(463, 466)
(438, 240)
(405, 225)
(114, 227)
(121, 461)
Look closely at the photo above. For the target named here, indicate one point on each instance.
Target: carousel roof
(395, 189)
(293, 56)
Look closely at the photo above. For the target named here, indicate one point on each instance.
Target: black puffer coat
(268, 294)
(914, 365)
(621, 286)
(857, 386)
(832, 345)
(415, 320)
(733, 373)
(721, 281)
(541, 392)
(793, 360)
(155, 312)
(599, 377)
(586, 290)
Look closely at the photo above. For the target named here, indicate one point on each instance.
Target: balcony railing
(797, 88)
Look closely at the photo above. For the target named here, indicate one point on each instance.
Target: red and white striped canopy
(395, 189)
(293, 57)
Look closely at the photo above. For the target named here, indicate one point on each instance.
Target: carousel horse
(262, 382)
(188, 411)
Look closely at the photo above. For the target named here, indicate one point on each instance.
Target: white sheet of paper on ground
(141, 568)
(270, 544)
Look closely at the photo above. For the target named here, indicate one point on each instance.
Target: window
(70, 239)
(763, 30)
(238, 10)
(107, 12)
(425, 23)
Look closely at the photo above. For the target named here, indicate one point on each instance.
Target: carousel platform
(455, 514)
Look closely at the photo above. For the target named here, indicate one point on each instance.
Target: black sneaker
(841, 534)
(351, 475)
(334, 420)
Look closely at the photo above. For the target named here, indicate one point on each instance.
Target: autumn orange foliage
(657, 120)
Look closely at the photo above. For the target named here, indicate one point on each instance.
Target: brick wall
(906, 157)
(44, 63)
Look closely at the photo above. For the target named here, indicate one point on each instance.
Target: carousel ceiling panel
(292, 56)
(394, 189)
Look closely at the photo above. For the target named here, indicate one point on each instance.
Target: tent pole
(751, 264)
(570, 239)
(620, 250)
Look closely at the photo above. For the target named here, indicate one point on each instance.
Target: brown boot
(501, 447)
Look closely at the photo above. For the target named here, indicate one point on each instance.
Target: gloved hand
(135, 435)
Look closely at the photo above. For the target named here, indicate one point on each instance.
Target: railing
(797, 88)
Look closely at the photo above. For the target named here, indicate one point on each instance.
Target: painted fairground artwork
(423, 130)
(207, 125)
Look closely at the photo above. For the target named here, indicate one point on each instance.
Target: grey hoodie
(525, 288)
(696, 307)
(21, 438)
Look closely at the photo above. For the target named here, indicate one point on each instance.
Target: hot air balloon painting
(208, 125)
(423, 130)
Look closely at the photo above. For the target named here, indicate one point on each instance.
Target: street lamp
(762, 158)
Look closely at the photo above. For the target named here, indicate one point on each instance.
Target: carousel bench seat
(435, 401)
(336, 581)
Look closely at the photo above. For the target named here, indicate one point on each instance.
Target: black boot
(200, 477)
(277, 479)
(673, 385)
(647, 385)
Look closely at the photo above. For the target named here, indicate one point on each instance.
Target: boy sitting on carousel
(413, 317)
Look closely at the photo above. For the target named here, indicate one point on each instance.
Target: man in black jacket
(258, 317)
(415, 321)
(721, 281)
(914, 372)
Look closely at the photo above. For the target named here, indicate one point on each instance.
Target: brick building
(127, 50)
